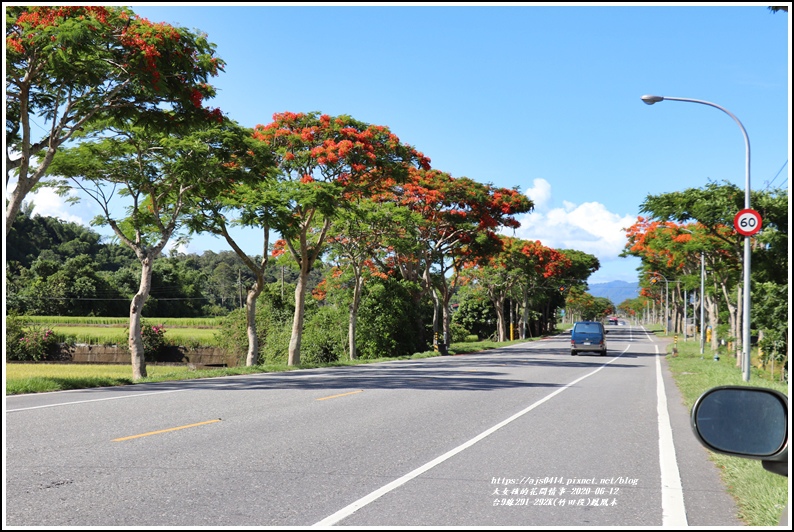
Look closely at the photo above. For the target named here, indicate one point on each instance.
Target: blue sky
(542, 97)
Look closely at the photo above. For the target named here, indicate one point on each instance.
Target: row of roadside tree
(124, 99)
(687, 239)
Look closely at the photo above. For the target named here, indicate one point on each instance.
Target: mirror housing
(744, 421)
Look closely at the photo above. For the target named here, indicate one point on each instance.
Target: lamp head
(650, 99)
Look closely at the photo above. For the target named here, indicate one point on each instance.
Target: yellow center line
(338, 395)
(166, 430)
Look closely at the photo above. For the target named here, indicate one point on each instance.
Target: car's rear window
(587, 328)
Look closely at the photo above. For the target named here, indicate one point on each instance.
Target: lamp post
(650, 100)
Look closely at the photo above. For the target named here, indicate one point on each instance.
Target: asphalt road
(521, 436)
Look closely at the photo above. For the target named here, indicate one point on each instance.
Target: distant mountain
(615, 291)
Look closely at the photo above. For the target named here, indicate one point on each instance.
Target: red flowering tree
(521, 266)
(496, 274)
(323, 164)
(68, 66)
(543, 269)
(673, 251)
(455, 220)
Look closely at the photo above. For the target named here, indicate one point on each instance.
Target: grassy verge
(761, 496)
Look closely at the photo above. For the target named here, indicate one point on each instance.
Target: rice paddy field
(109, 331)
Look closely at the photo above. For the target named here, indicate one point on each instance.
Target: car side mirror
(746, 422)
(606, 331)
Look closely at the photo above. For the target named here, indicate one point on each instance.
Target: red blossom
(279, 247)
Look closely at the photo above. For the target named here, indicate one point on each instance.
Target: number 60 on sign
(747, 222)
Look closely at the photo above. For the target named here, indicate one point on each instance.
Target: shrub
(153, 341)
(459, 333)
(324, 336)
(273, 327)
(476, 314)
(30, 343)
(387, 321)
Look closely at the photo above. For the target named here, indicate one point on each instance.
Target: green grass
(123, 322)
(760, 495)
(43, 377)
(109, 335)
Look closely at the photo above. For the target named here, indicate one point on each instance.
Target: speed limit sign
(747, 222)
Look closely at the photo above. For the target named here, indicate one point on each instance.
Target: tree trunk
(446, 317)
(14, 204)
(25, 181)
(294, 357)
(252, 357)
(499, 306)
(438, 327)
(250, 325)
(135, 340)
(525, 312)
(713, 312)
(351, 332)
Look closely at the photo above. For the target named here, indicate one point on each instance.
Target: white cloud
(540, 193)
(588, 227)
(47, 203)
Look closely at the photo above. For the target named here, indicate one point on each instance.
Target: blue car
(588, 336)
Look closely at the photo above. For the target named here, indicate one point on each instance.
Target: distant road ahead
(521, 436)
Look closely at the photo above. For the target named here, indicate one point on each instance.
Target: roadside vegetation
(760, 495)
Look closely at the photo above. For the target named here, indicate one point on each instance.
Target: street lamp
(650, 100)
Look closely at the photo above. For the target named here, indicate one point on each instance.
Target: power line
(776, 175)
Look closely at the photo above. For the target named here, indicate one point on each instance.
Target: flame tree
(521, 267)
(67, 66)
(357, 240)
(454, 220)
(674, 251)
(323, 163)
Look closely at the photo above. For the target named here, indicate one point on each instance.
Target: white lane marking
(673, 510)
(365, 500)
(94, 400)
